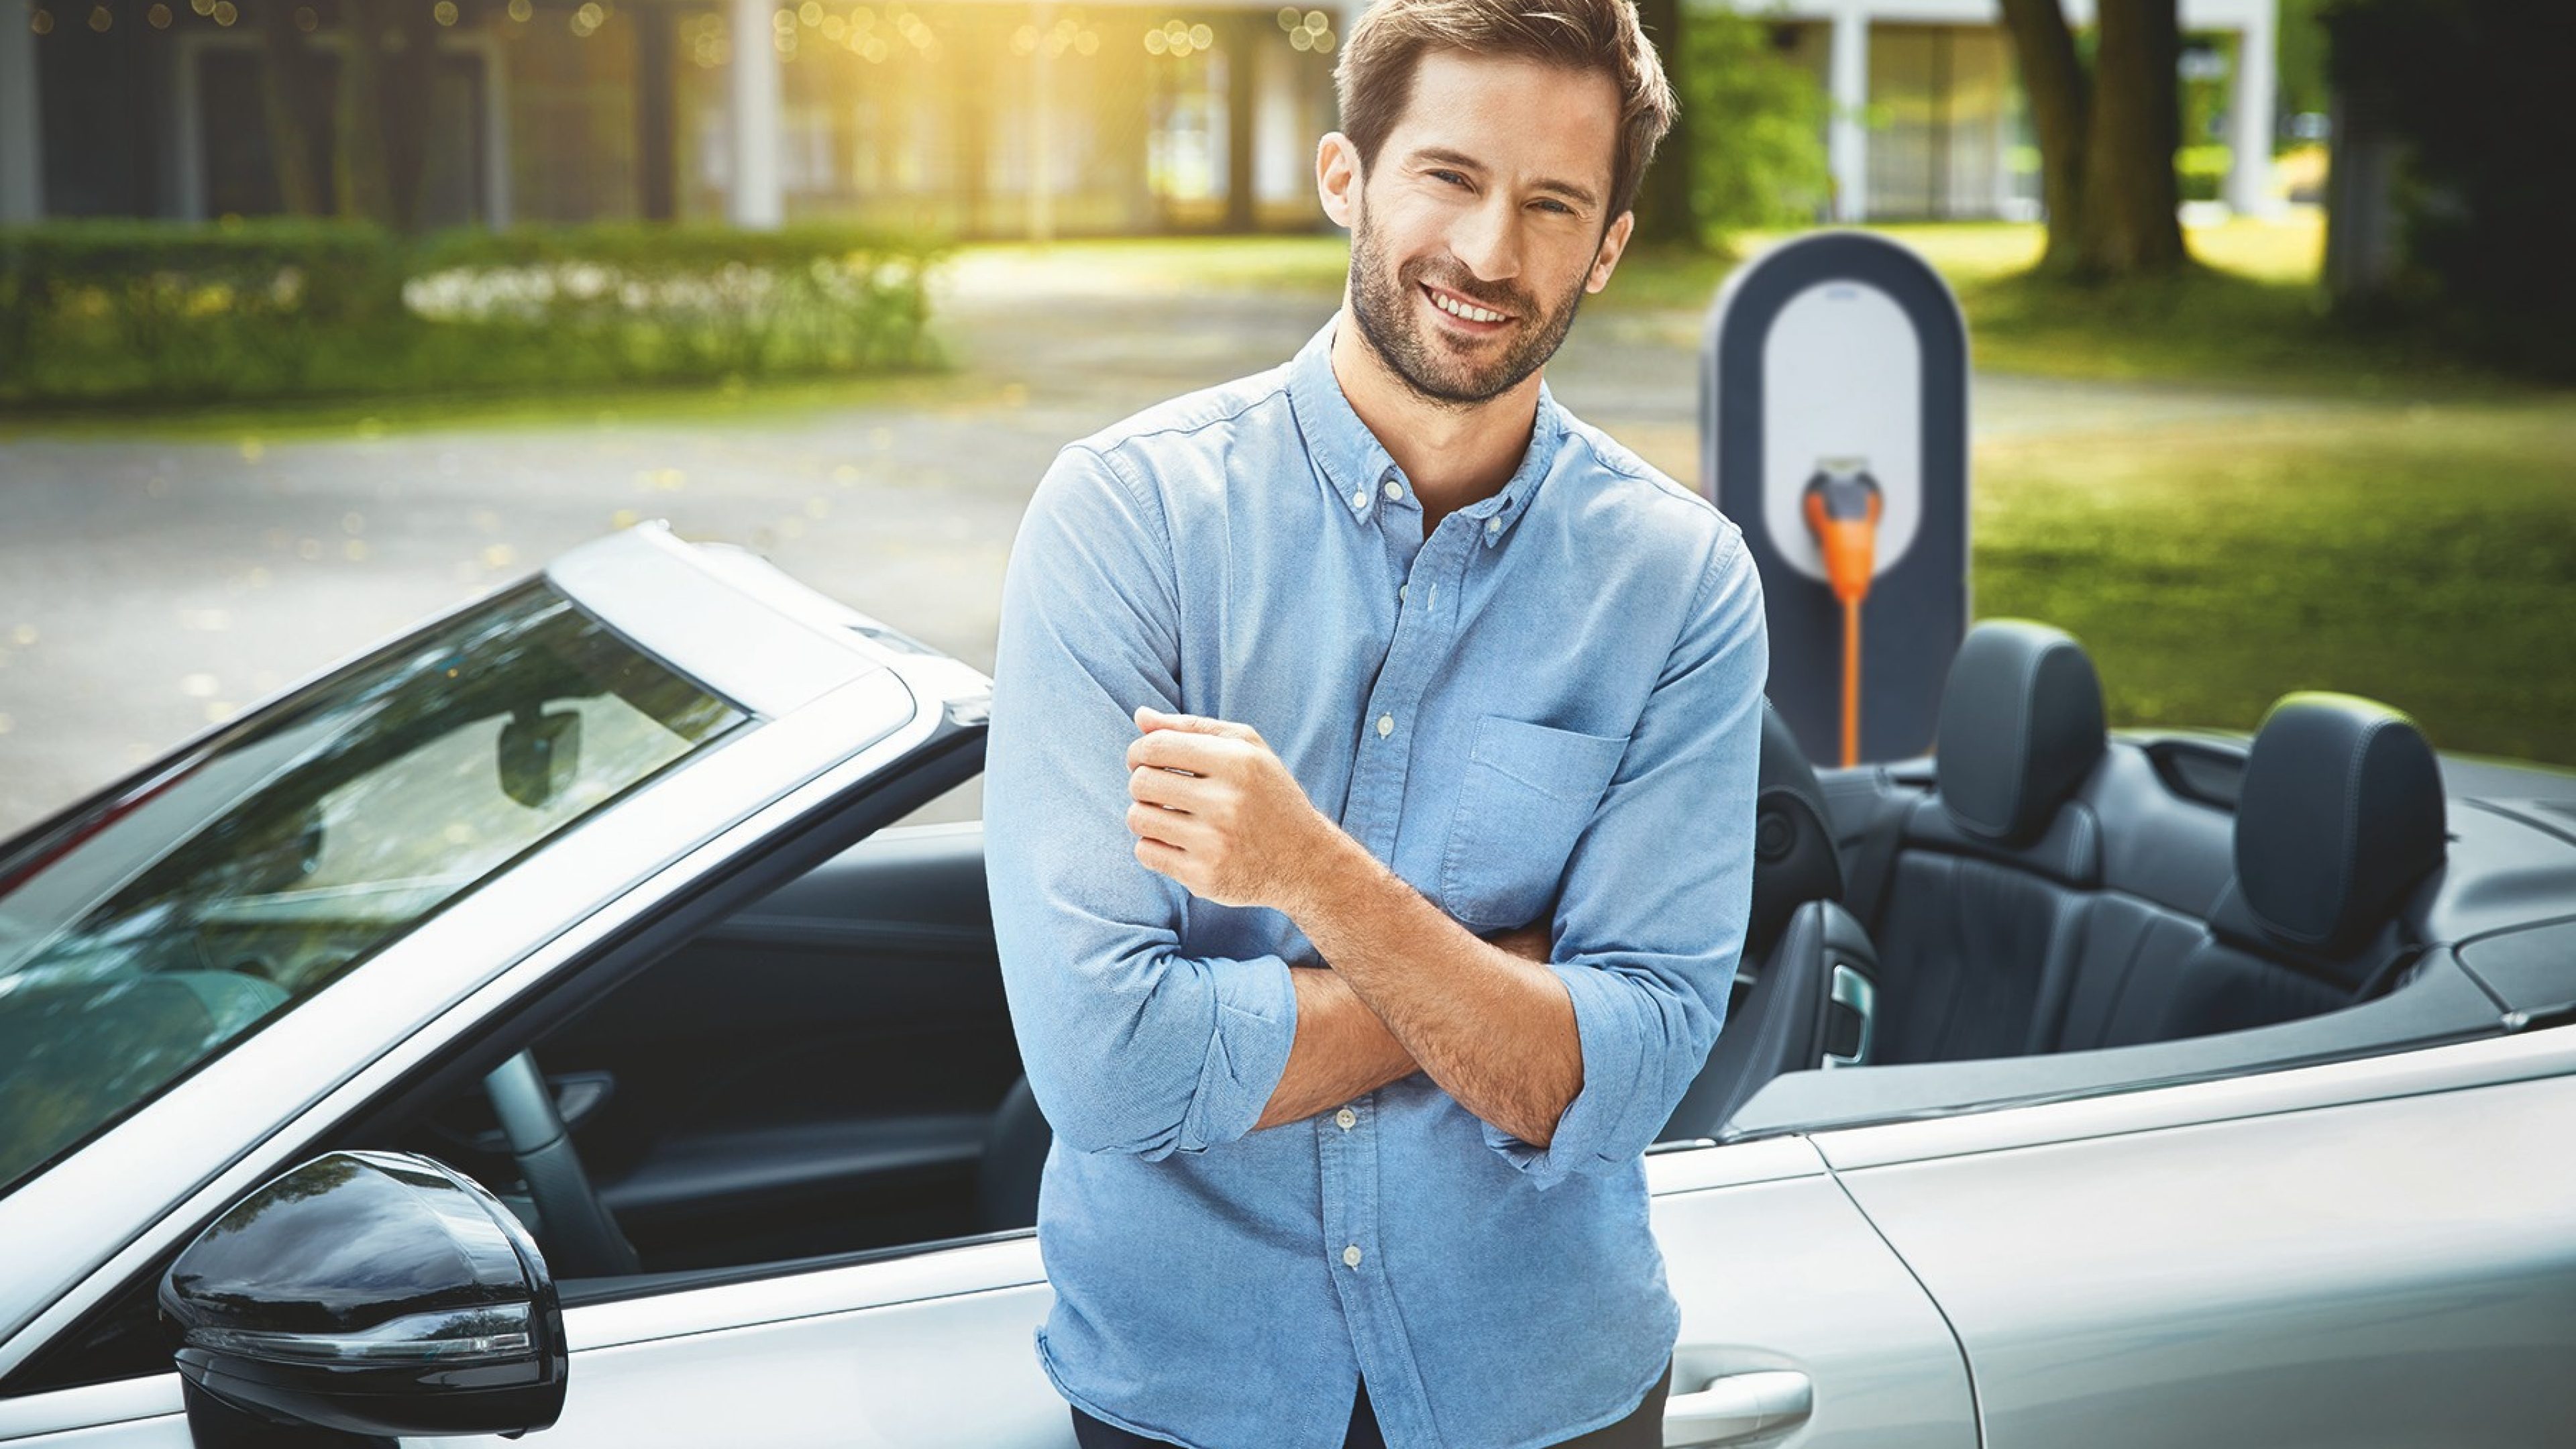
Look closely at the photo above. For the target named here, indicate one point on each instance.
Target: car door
(1796, 1320)
(2365, 1253)
(1798, 1325)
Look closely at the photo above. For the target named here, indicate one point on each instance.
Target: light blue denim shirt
(1552, 704)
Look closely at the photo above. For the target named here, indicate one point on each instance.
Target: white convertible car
(533, 1024)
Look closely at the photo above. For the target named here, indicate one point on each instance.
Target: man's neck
(1453, 456)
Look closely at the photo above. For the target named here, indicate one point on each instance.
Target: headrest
(2021, 726)
(1794, 860)
(2341, 813)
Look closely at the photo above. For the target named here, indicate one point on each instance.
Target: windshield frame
(30, 852)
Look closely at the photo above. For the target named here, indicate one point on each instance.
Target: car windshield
(146, 931)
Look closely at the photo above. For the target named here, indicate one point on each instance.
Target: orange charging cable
(1842, 509)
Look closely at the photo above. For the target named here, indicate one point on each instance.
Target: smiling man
(1369, 806)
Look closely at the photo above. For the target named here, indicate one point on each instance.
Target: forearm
(1495, 1031)
(1343, 1050)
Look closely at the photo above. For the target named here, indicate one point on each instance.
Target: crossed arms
(1572, 1054)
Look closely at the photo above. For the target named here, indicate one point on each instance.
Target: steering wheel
(581, 1239)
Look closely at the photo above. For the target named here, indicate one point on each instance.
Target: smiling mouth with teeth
(1466, 310)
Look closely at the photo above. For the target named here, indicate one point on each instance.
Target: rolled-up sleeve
(1129, 1045)
(1652, 909)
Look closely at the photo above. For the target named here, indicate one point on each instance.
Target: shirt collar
(1353, 468)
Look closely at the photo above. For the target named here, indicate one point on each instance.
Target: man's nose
(1488, 241)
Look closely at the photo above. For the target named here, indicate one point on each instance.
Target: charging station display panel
(1834, 418)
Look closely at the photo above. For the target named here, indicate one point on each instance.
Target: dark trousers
(1643, 1429)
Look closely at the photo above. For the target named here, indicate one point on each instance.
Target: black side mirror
(371, 1293)
(540, 754)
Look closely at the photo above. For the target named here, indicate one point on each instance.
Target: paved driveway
(149, 588)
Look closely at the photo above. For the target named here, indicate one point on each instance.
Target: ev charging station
(1834, 419)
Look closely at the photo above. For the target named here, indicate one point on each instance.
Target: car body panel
(2485, 1061)
(934, 1348)
(2392, 1270)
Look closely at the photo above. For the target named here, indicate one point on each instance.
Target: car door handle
(1736, 1408)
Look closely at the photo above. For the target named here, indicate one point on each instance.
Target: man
(1303, 683)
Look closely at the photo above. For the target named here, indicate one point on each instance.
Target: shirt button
(1359, 498)
(1347, 1118)
(1394, 489)
(1493, 525)
(1399, 592)
(1385, 725)
(1351, 1256)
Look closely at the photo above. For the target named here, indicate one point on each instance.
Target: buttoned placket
(1425, 628)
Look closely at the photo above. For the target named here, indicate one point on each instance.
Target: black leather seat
(1990, 880)
(1015, 1151)
(1809, 1001)
(2341, 815)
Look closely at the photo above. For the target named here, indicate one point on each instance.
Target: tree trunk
(358, 161)
(2130, 225)
(405, 94)
(2060, 104)
(1664, 193)
(2106, 142)
(286, 99)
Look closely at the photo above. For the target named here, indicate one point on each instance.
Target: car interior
(2041, 908)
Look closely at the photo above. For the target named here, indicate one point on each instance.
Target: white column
(1041, 124)
(1848, 135)
(756, 200)
(2249, 131)
(22, 151)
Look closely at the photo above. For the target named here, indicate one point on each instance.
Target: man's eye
(1450, 176)
(1558, 206)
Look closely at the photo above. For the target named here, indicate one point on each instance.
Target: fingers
(1200, 754)
(1157, 786)
(1168, 828)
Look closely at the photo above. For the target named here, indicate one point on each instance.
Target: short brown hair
(1374, 80)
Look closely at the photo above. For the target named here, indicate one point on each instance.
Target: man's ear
(1613, 243)
(1337, 178)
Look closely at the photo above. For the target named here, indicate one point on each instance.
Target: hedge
(126, 311)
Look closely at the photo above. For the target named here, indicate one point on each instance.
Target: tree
(2465, 96)
(2107, 137)
(383, 112)
(1663, 195)
(1746, 148)
(287, 85)
(1763, 118)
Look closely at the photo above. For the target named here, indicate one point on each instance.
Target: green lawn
(2424, 556)
(733, 401)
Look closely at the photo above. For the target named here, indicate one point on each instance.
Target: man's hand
(1236, 828)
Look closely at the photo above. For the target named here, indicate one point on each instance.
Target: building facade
(973, 117)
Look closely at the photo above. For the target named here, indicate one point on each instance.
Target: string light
(1178, 39)
(444, 12)
(1311, 31)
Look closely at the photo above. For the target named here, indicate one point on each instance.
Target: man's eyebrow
(1447, 157)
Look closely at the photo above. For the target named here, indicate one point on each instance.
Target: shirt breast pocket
(1528, 791)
